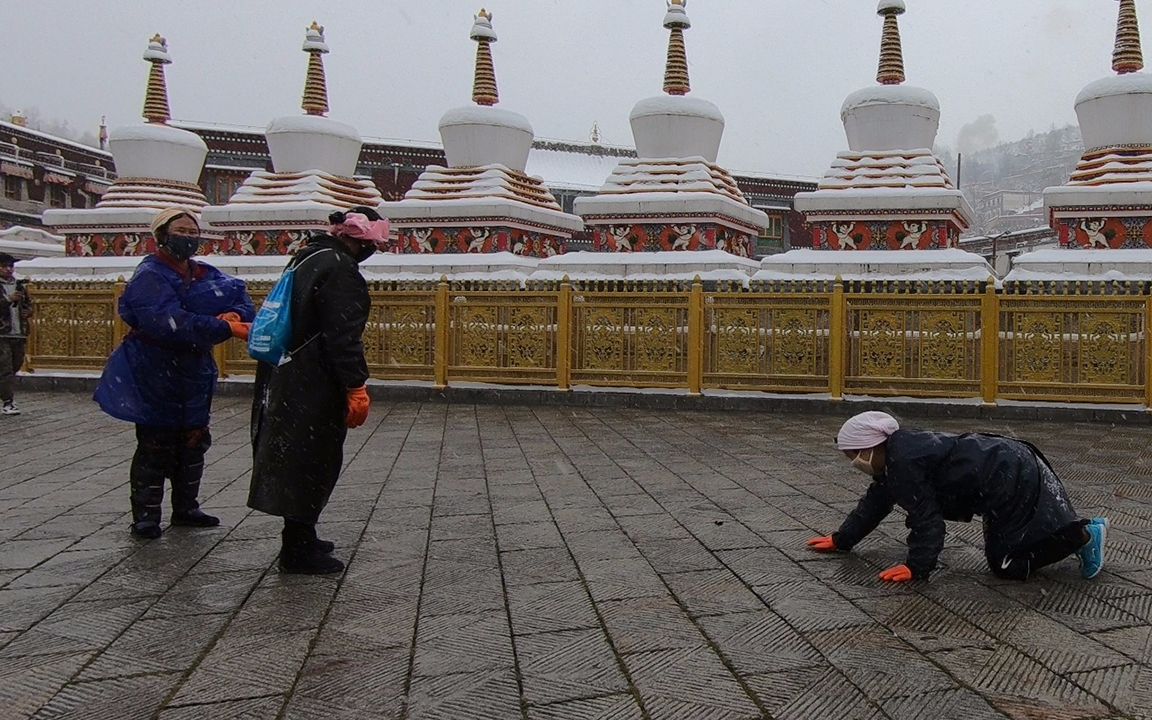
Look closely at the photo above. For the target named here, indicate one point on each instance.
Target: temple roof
(900, 169)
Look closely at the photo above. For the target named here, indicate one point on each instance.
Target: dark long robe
(300, 406)
(936, 477)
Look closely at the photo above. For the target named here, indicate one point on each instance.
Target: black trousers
(167, 454)
(1019, 565)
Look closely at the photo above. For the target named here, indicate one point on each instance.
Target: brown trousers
(11, 360)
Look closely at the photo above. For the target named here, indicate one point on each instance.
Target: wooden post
(837, 340)
(442, 334)
(564, 336)
(989, 343)
(696, 337)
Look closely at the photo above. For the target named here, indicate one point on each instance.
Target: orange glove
(230, 317)
(358, 404)
(823, 544)
(239, 329)
(898, 574)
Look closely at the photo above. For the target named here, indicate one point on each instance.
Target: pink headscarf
(866, 430)
(359, 227)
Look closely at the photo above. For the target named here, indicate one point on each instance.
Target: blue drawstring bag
(272, 327)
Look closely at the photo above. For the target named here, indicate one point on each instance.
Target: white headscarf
(866, 430)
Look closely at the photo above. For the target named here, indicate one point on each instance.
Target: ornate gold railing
(929, 340)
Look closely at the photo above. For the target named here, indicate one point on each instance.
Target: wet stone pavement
(546, 563)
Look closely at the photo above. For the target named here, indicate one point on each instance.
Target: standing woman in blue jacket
(163, 376)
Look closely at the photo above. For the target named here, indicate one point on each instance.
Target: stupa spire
(676, 67)
(156, 96)
(891, 70)
(484, 91)
(315, 85)
(1127, 56)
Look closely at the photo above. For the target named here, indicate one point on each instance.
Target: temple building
(482, 200)
(673, 195)
(158, 166)
(313, 166)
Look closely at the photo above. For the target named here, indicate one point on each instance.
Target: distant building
(41, 171)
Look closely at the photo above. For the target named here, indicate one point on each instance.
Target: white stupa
(314, 162)
(1103, 215)
(673, 196)
(157, 166)
(888, 191)
(483, 202)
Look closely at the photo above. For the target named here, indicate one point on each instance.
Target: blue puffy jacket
(163, 374)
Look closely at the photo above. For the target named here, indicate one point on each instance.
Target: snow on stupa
(314, 163)
(673, 196)
(157, 166)
(1107, 203)
(483, 201)
(888, 191)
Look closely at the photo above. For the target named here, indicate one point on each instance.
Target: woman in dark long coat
(162, 377)
(1028, 519)
(304, 406)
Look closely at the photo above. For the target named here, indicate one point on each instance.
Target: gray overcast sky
(778, 69)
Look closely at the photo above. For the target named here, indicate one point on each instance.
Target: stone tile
(160, 645)
(529, 567)
(528, 536)
(689, 683)
(607, 707)
(814, 693)
(27, 683)
(550, 607)
(25, 554)
(447, 644)
(648, 624)
(351, 684)
(712, 592)
(228, 671)
(759, 642)
(111, 699)
(76, 627)
(569, 665)
(251, 709)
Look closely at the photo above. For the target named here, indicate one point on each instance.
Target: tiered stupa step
(888, 191)
(314, 161)
(484, 201)
(1103, 214)
(158, 166)
(673, 196)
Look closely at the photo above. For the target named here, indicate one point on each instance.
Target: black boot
(301, 552)
(186, 482)
(149, 465)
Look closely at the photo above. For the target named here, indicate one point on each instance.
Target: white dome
(310, 142)
(1116, 110)
(476, 135)
(670, 126)
(157, 151)
(890, 117)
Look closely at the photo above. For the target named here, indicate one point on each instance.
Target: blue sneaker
(1092, 554)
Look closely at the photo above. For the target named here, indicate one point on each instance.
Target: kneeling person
(1028, 519)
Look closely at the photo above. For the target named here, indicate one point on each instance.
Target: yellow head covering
(167, 215)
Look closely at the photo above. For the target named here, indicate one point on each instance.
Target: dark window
(13, 187)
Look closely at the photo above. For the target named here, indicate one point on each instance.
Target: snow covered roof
(1113, 166)
(570, 170)
(265, 191)
(477, 183)
(151, 194)
(670, 175)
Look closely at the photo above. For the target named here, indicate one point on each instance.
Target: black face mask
(181, 247)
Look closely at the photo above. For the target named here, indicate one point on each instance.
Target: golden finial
(676, 67)
(156, 96)
(891, 70)
(315, 85)
(1127, 56)
(484, 90)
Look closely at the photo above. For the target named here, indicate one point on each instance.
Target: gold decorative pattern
(1104, 347)
(891, 71)
(409, 336)
(794, 346)
(945, 348)
(475, 330)
(603, 335)
(881, 346)
(1127, 56)
(526, 343)
(656, 332)
(1037, 346)
(737, 342)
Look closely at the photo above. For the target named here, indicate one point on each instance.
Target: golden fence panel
(75, 325)
(400, 337)
(633, 335)
(1074, 348)
(777, 342)
(503, 335)
(919, 345)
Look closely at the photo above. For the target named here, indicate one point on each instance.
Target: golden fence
(928, 340)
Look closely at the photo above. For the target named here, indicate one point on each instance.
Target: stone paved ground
(548, 563)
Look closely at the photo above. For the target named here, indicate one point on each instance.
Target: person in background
(304, 406)
(1028, 519)
(163, 376)
(15, 314)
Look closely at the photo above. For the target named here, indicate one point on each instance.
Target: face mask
(863, 464)
(182, 247)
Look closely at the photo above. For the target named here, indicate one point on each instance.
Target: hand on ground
(898, 574)
(823, 544)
